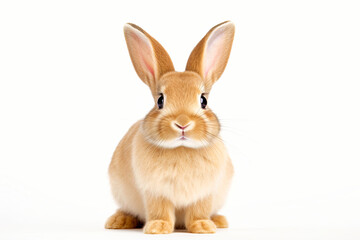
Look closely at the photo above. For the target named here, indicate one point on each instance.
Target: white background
(289, 103)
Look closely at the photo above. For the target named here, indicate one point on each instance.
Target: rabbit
(171, 169)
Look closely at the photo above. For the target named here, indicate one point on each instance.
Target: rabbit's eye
(203, 102)
(160, 101)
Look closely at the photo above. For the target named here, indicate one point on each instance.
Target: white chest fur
(180, 175)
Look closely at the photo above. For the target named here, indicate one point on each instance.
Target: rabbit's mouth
(180, 141)
(183, 138)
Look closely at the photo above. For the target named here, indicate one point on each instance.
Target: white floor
(243, 234)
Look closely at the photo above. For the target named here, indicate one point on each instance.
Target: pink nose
(181, 127)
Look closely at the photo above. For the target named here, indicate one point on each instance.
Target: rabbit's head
(181, 116)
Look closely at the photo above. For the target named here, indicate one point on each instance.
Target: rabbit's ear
(210, 56)
(149, 58)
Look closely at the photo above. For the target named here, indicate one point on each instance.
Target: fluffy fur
(172, 168)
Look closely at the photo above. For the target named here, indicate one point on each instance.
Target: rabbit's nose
(182, 122)
(182, 127)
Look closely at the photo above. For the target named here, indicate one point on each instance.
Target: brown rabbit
(172, 168)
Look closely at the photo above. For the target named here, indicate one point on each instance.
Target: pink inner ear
(148, 66)
(143, 51)
(214, 49)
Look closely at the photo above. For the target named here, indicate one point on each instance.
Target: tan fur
(197, 217)
(220, 221)
(122, 220)
(159, 220)
(156, 177)
(161, 66)
(197, 58)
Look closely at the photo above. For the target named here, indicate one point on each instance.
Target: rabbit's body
(182, 175)
(172, 168)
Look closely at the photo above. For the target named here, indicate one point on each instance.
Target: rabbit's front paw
(202, 226)
(158, 227)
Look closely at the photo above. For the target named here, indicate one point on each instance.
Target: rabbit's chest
(182, 180)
